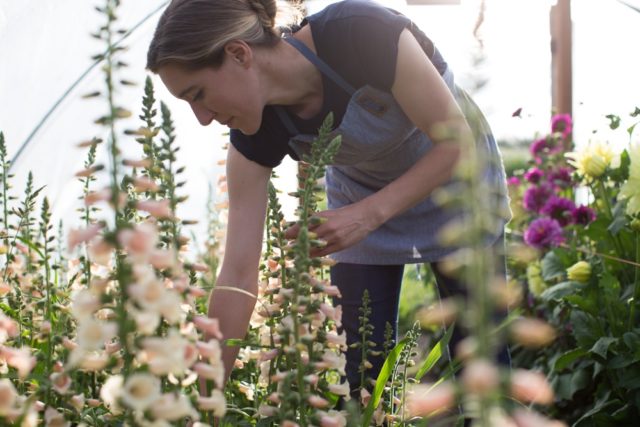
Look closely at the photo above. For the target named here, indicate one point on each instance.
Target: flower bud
(579, 272)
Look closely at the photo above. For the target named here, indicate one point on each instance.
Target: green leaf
(569, 357)
(614, 121)
(585, 328)
(632, 340)
(619, 220)
(552, 266)
(435, 354)
(561, 290)
(381, 381)
(601, 347)
(579, 380)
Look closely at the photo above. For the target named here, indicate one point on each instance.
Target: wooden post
(561, 58)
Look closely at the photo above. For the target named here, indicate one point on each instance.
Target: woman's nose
(204, 115)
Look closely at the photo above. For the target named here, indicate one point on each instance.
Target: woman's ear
(239, 51)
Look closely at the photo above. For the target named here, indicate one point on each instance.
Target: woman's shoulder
(352, 9)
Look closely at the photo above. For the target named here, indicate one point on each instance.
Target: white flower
(171, 355)
(111, 392)
(213, 372)
(92, 333)
(172, 407)
(340, 389)
(84, 303)
(216, 403)
(630, 190)
(140, 391)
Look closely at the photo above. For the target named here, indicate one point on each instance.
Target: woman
(389, 90)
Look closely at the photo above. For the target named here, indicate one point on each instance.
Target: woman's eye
(197, 96)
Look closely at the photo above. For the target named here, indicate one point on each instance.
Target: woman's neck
(291, 79)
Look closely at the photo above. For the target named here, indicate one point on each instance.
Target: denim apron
(379, 144)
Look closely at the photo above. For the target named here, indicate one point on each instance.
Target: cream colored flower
(579, 272)
(592, 160)
(84, 303)
(332, 419)
(111, 392)
(140, 391)
(92, 333)
(173, 407)
(630, 190)
(213, 372)
(426, 400)
(53, 418)
(216, 403)
(171, 355)
(529, 386)
(532, 332)
(8, 396)
(536, 283)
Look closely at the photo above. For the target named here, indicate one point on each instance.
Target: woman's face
(230, 94)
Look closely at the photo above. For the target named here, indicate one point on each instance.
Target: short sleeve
(266, 147)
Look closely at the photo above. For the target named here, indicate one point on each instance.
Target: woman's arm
(427, 101)
(247, 186)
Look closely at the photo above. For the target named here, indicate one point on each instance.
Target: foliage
(581, 261)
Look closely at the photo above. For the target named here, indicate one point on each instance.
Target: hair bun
(266, 11)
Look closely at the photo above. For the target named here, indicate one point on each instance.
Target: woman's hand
(340, 228)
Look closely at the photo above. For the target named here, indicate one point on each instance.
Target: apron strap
(322, 66)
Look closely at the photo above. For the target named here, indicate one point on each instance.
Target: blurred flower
(140, 391)
(528, 418)
(216, 403)
(536, 284)
(536, 196)
(630, 190)
(173, 407)
(513, 181)
(534, 175)
(583, 215)
(111, 392)
(60, 382)
(157, 208)
(579, 272)
(562, 123)
(20, 359)
(543, 233)
(529, 386)
(317, 402)
(213, 372)
(561, 177)
(332, 419)
(143, 183)
(8, 396)
(480, 377)
(426, 400)
(171, 355)
(81, 235)
(442, 313)
(92, 333)
(340, 389)
(53, 418)
(208, 325)
(560, 209)
(532, 332)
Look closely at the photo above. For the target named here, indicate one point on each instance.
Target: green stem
(636, 285)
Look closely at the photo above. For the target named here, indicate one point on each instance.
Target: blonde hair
(194, 32)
